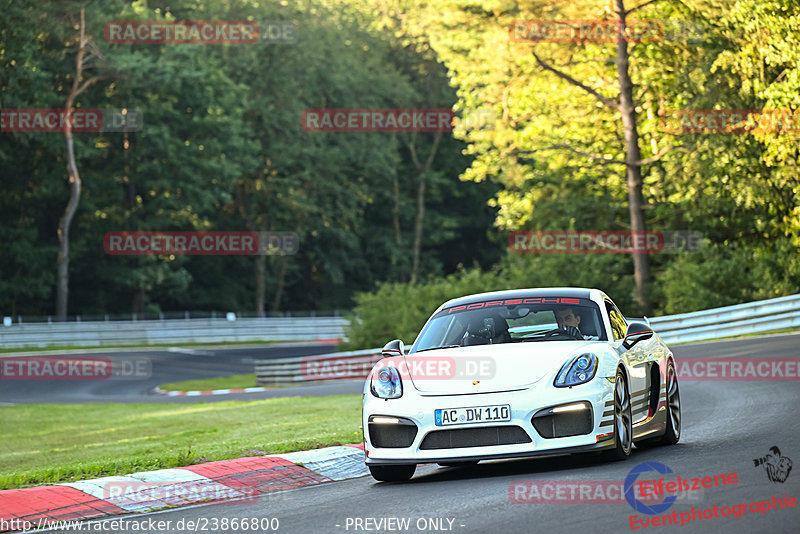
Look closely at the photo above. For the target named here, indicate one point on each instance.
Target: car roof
(568, 292)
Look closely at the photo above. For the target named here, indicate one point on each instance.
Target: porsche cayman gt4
(519, 373)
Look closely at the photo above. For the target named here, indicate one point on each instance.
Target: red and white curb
(234, 481)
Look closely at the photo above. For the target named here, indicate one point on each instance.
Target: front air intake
(391, 435)
(564, 421)
(475, 437)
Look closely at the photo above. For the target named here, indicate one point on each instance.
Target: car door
(639, 362)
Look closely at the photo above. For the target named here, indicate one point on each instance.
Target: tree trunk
(261, 283)
(396, 252)
(64, 225)
(261, 266)
(140, 302)
(276, 301)
(641, 267)
(398, 237)
(420, 217)
(62, 287)
(626, 107)
(418, 225)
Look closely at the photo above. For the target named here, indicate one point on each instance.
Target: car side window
(618, 325)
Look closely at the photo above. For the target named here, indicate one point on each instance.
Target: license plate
(473, 414)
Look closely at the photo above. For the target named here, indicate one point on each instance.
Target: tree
(565, 89)
(79, 86)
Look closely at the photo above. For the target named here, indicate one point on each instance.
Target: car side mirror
(636, 332)
(393, 348)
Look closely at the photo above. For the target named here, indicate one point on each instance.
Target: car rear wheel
(673, 431)
(623, 428)
(392, 473)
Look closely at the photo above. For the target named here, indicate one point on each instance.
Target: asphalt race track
(726, 425)
(169, 365)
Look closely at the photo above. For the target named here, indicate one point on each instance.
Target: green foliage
(222, 149)
(210, 384)
(399, 310)
(722, 275)
(742, 192)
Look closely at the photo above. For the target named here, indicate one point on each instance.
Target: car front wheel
(673, 431)
(623, 428)
(392, 473)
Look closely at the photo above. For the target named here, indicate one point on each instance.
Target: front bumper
(524, 404)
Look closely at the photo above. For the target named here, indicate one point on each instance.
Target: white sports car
(519, 373)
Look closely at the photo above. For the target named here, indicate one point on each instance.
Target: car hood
(489, 368)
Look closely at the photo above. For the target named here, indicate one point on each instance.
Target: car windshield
(513, 321)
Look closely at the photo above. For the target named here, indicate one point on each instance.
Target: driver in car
(486, 330)
(569, 321)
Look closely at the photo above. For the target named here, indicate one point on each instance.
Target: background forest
(392, 224)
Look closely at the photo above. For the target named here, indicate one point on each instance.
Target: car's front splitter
(606, 444)
(523, 405)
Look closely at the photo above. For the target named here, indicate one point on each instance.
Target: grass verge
(47, 443)
(209, 384)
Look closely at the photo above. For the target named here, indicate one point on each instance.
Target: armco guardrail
(343, 365)
(172, 331)
(750, 318)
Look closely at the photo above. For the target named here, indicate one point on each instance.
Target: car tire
(673, 432)
(392, 473)
(623, 427)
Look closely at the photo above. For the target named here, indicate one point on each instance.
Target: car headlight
(578, 370)
(385, 383)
